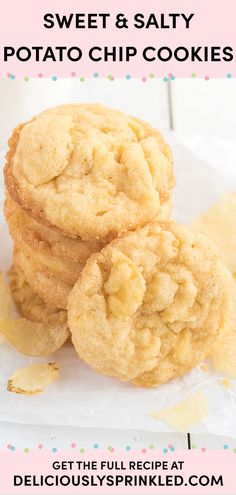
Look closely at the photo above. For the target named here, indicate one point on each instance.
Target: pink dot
(170, 446)
(73, 445)
(144, 79)
(9, 74)
(40, 446)
(73, 74)
(8, 446)
(40, 74)
(144, 451)
(203, 449)
(170, 75)
(206, 78)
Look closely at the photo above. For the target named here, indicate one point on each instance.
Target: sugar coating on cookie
(91, 171)
(148, 307)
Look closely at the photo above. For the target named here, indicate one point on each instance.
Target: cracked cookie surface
(90, 171)
(149, 306)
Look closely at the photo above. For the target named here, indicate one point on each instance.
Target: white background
(192, 108)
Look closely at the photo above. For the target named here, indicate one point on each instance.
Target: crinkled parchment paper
(204, 170)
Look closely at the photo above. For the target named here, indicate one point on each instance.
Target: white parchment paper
(204, 170)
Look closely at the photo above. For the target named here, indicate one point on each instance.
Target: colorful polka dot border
(11, 447)
(111, 77)
(110, 449)
(169, 448)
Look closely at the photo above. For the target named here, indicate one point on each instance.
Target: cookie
(90, 171)
(29, 304)
(52, 290)
(23, 228)
(156, 299)
(54, 266)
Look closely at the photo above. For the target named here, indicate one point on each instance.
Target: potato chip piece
(230, 323)
(34, 338)
(6, 305)
(186, 414)
(33, 379)
(219, 223)
(224, 354)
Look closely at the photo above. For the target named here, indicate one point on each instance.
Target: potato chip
(230, 324)
(226, 383)
(34, 338)
(6, 305)
(33, 379)
(186, 414)
(219, 223)
(224, 354)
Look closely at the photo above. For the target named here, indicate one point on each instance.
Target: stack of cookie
(50, 261)
(88, 206)
(77, 176)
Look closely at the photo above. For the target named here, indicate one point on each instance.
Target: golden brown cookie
(52, 290)
(148, 307)
(90, 171)
(29, 304)
(24, 228)
(43, 259)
